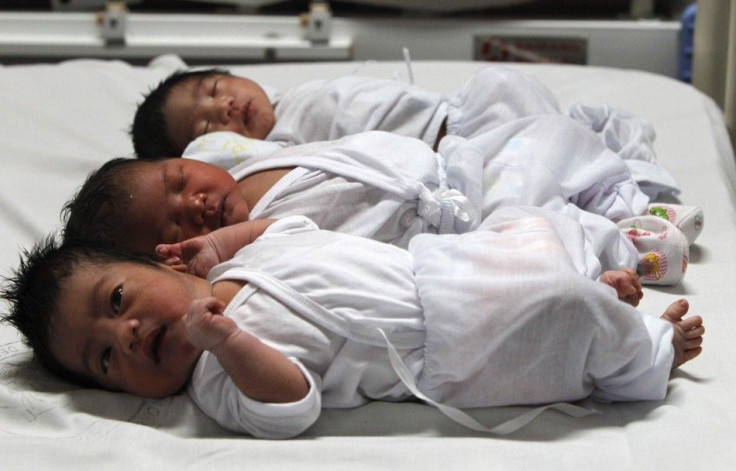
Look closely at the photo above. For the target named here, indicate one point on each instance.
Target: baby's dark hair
(149, 134)
(93, 214)
(34, 288)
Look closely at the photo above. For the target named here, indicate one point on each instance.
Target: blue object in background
(685, 56)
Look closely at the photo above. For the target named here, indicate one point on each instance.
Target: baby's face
(217, 103)
(177, 199)
(121, 325)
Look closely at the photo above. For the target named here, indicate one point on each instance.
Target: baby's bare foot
(688, 333)
(626, 283)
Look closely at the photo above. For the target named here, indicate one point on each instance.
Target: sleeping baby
(191, 104)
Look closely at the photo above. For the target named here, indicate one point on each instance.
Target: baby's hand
(198, 254)
(205, 325)
(626, 283)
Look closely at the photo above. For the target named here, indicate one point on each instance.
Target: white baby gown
(323, 110)
(494, 317)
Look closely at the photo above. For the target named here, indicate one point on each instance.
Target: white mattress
(61, 121)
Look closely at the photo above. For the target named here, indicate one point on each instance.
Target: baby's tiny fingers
(215, 306)
(198, 307)
(173, 261)
(163, 250)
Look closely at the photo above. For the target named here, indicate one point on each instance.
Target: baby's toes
(677, 311)
(693, 343)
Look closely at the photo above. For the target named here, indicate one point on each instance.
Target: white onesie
(390, 188)
(479, 319)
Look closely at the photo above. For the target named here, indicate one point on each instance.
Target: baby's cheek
(239, 215)
(192, 231)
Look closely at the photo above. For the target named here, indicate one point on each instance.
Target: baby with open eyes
(292, 319)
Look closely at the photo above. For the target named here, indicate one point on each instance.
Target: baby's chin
(172, 384)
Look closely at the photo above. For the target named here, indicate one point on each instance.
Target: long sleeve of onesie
(214, 392)
(218, 397)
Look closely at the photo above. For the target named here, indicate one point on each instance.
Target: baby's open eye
(116, 299)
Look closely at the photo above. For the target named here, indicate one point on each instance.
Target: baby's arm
(202, 253)
(259, 371)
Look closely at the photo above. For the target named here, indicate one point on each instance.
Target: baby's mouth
(247, 113)
(223, 221)
(154, 350)
(213, 217)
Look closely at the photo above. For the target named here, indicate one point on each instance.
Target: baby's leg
(626, 283)
(688, 333)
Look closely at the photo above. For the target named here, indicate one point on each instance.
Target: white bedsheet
(58, 122)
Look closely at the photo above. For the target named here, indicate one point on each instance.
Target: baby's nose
(227, 109)
(197, 207)
(128, 335)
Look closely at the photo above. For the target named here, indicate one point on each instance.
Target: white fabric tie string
(460, 417)
(448, 210)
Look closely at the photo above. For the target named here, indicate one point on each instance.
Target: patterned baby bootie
(663, 249)
(689, 219)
